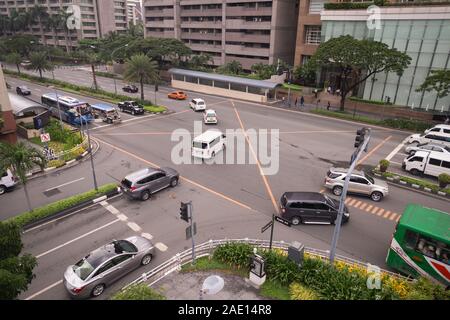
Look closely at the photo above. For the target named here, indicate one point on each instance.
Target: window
(435, 149)
(446, 130)
(321, 206)
(446, 164)
(158, 176)
(214, 142)
(312, 34)
(145, 180)
(121, 259)
(105, 268)
(434, 162)
(358, 180)
(307, 205)
(416, 159)
(410, 239)
(296, 205)
(435, 130)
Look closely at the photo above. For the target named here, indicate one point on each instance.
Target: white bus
(208, 144)
(427, 162)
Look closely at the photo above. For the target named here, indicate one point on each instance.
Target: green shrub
(235, 254)
(73, 154)
(384, 164)
(444, 179)
(369, 101)
(154, 109)
(279, 267)
(55, 163)
(413, 125)
(55, 207)
(274, 290)
(424, 289)
(347, 5)
(300, 292)
(138, 292)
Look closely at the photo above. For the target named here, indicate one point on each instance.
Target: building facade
(97, 18)
(421, 32)
(7, 122)
(247, 31)
(134, 11)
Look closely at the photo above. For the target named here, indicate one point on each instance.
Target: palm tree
(40, 14)
(141, 68)
(39, 62)
(21, 159)
(64, 16)
(14, 58)
(4, 23)
(54, 23)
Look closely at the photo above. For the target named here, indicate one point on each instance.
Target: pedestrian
(328, 105)
(329, 89)
(302, 101)
(295, 104)
(315, 93)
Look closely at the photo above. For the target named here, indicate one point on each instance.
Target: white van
(427, 162)
(208, 144)
(434, 138)
(7, 181)
(440, 128)
(198, 104)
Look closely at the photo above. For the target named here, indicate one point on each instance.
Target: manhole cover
(52, 192)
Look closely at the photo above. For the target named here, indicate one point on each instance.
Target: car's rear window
(332, 175)
(83, 269)
(125, 246)
(126, 183)
(200, 145)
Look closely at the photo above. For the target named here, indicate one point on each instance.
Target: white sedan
(210, 116)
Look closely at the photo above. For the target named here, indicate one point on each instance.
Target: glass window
(432, 30)
(105, 268)
(121, 259)
(416, 159)
(312, 34)
(83, 269)
(158, 175)
(434, 162)
(321, 206)
(410, 239)
(296, 205)
(126, 246)
(446, 164)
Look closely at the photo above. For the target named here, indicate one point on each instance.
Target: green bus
(421, 244)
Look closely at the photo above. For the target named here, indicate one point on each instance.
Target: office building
(134, 11)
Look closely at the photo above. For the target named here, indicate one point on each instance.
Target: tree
(54, 23)
(40, 14)
(200, 61)
(141, 68)
(232, 67)
(21, 159)
(16, 272)
(357, 60)
(439, 81)
(264, 71)
(14, 58)
(39, 62)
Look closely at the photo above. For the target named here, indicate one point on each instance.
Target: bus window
(426, 246)
(411, 239)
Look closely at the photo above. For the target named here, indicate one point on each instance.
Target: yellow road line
(373, 150)
(352, 202)
(398, 218)
(379, 213)
(387, 214)
(348, 200)
(363, 206)
(375, 209)
(369, 207)
(393, 216)
(357, 204)
(266, 183)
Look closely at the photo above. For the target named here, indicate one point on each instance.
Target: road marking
(363, 206)
(398, 218)
(348, 200)
(65, 184)
(161, 246)
(357, 204)
(380, 212)
(322, 191)
(352, 201)
(77, 238)
(373, 150)
(387, 214)
(111, 209)
(181, 178)
(263, 176)
(147, 236)
(44, 290)
(104, 203)
(122, 217)
(403, 154)
(398, 163)
(375, 210)
(393, 216)
(133, 226)
(369, 207)
(396, 149)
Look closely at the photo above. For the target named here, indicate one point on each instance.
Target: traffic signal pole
(192, 230)
(338, 221)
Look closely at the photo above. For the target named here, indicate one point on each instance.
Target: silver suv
(141, 184)
(359, 183)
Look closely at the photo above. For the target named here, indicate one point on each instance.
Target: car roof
(345, 170)
(102, 254)
(102, 106)
(210, 110)
(208, 136)
(446, 126)
(304, 196)
(140, 173)
(198, 100)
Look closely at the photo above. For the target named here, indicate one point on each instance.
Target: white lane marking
(124, 121)
(43, 290)
(77, 238)
(122, 217)
(111, 209)
(104, 203)
(161, 246)
(133, 226)
(403, 154)
(147, 236)
(397, 148)
(65, 184)
(397, 163)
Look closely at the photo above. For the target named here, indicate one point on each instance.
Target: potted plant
(384, 164)
(444, 180)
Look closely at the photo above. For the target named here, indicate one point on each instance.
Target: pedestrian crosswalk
(372, 209)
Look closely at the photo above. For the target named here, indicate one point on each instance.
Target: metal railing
(206, 248)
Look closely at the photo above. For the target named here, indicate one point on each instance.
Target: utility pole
(186, 215)
(92, 156)
(361, 142)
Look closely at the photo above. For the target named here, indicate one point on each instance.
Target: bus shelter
(223, 85)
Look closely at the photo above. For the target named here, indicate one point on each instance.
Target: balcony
(242, 24)
(160, 13)
(201, 13)
(201, 36)
(242, 11)
(245, 37)
(202, 24)
(159, 3)
(237, 49)
(160, 24)
(160, 34)
(205, 47)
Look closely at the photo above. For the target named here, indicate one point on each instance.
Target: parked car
(7, 181)
(360, 183)
(23, 91)
(131, 106)
(440, 128)
(427, 162)
(178, 95)
(428, 147)
(210, 116)
(435, 138)
(310, 208)
(143, 183)
(103, 266)
(130, 88)
(197, 104)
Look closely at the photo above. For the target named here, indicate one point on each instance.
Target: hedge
(347, 5)
(55, 207)
(138, 292)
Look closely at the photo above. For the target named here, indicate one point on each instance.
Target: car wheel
(2, 189)
(98, 290)
(174, 182)
(337, 190)
(296, 221)
(132, 112)
(146, 259)
(145, 195)
(415, 172)
(376, 196)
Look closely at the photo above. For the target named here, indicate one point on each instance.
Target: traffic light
(184, 211)
(359, 139)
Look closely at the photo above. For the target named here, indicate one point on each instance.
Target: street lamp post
(112, 59)
(90, 151)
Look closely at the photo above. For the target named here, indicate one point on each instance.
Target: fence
(206, 248)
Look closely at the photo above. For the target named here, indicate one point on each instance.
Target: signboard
(189, 233)
(45, 137)
(283, 221)
(41, 120)
(267, 226)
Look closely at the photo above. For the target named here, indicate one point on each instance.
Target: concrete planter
(415, 186)
(403, 182)
(390, 178)
(427, 189)
(441, 193)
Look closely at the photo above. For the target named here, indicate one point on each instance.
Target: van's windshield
(200, 145)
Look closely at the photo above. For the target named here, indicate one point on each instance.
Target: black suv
(23, 91)
(310, 207)
(131, 106)
(130, 88)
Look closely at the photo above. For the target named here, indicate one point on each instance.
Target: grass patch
(106, 74)
(275, 290)
(369, 101)
(206, 264)
(138, 292)
(156, 109)
(55, 207)
(291, 86)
